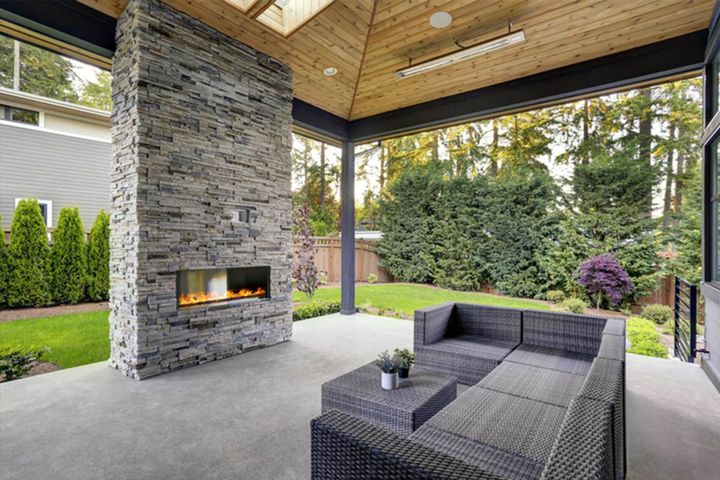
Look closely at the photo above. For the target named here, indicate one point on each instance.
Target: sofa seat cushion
(507, 435)
(551, 358)
(467, 357)
(534, 383)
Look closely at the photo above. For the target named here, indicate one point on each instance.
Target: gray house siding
(66, 170)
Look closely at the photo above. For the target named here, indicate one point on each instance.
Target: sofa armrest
(584, 445)
(346, 447)
(431, 323)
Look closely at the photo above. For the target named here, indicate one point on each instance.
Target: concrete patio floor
(248, 417)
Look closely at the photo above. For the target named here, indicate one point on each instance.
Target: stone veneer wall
(201, 128)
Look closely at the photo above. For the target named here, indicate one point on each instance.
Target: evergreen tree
(459, 242)
(521, 226)
(4, 267)
(688, 236)
(98, 94)
(29, 254)
(406, 218)
(68, 260)
(46, 74)
(98, 258)
(6, 62)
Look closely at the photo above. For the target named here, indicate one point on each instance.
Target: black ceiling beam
(310, 117)
(659, 60)
(66, 20)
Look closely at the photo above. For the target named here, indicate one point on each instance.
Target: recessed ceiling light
(330, 71)
(440, 20)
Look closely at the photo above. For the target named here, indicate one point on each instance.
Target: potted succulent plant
(388, 365)
(407, 359)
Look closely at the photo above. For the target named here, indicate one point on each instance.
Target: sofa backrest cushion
(566, 331)
(504, 324)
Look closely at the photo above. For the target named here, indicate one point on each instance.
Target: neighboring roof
(51, 105)
(369, 40)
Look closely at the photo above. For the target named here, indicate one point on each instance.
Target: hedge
(644, 338)
(98, 258)
(32, 274)
(68, 263)
(4, 270)
(29, 255)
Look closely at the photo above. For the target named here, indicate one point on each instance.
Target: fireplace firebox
(200, 287)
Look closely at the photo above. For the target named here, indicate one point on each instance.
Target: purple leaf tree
(304, 272)
(603, 275)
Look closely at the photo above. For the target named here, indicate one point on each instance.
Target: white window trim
(41, 115)
(48, 206)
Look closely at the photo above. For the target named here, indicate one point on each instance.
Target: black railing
(685, 320)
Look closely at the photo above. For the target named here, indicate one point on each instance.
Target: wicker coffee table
(403, 411)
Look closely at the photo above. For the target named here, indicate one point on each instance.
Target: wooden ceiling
(369, 40)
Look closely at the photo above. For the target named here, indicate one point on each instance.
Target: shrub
(68, 261)
(315, 309)
(574, 305)
(304, 271)
(660, 314)
(29, 253)
(372, 278)
(4, 270)
(98, 258)
(555, 296)
(602, 275)
(15, 361)
(644, 338)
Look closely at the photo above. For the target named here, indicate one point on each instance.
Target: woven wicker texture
(612, 346)
(494, 460)
(614, 326)
(431, 323)
(517, 425)
(583, 449)
(466, 357)
(566, 331)
(606, 382)
(487, 322)
(534, 383)
(345, 447)
(551, 358)
(403, 410)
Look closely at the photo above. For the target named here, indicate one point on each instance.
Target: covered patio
(205, 97)
(248, 416)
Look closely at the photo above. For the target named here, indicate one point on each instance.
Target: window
(45, 210)
(20, 115)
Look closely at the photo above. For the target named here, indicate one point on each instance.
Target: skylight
(286, 16)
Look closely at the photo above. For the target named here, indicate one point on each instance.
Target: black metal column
(347, 228)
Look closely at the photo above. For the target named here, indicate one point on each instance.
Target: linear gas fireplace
(199, 287)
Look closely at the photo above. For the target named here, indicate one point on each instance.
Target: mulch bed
(21, 313)
(37, 368)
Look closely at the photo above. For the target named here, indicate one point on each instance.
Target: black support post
(347, 228)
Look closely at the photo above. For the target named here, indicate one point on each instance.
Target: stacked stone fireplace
(200, 223)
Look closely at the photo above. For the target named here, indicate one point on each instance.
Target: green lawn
(76, 339)
(82, 338)
(406, 298)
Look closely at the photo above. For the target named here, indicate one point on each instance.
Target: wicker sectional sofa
(547, 401)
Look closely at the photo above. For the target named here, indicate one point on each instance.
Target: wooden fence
(367, 261)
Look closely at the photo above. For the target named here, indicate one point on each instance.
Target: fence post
(693, 323)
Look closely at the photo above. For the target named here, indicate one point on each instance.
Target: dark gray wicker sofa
(552, 407)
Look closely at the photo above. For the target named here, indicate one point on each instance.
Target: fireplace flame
(204, 297)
